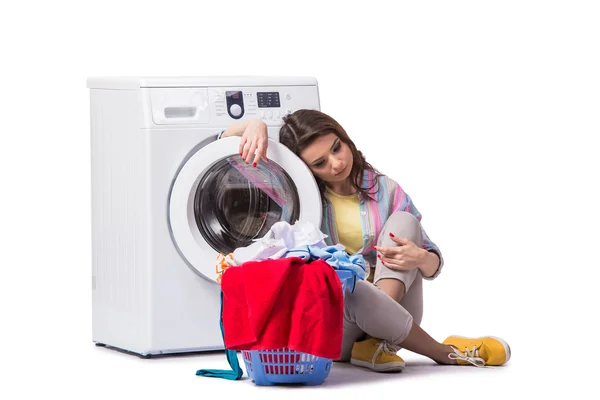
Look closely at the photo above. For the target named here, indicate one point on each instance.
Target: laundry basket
(268, 367)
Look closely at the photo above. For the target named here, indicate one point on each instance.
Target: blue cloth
(236, 371)
(338, 259)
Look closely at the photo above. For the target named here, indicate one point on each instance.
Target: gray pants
(369, 310)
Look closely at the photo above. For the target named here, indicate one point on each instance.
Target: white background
(487, 113)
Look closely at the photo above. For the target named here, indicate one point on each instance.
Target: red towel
(283, 303)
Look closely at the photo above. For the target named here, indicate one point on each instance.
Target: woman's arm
(254, 143)
(430, 264)
(236, 129)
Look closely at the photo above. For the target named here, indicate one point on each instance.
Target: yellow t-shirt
(347, 220)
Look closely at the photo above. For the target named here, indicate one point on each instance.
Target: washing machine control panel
(220, 106)
(269, 104)
(268, 99)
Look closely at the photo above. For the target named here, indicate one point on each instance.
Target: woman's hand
(254, 138)
(406, 257)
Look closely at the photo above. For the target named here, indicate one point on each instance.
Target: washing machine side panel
(120, 221)
(185, 306)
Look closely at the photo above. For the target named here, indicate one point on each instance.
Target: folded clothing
(283, 303)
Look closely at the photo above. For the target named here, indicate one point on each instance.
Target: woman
(361, 205)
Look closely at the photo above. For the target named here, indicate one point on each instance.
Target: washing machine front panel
(219, 203)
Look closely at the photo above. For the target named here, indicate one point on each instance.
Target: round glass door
(218, 203)
(236, 203)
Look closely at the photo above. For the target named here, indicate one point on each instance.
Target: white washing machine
(167, 197)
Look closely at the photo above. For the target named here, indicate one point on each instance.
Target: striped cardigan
(389, 199)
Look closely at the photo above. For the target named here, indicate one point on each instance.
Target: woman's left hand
(406, 257)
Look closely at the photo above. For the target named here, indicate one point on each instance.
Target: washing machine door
(218, 203)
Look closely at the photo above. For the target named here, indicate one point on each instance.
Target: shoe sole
(504, 344)
(387, 367)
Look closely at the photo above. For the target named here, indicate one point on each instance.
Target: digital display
(268, 99)
(234, 95)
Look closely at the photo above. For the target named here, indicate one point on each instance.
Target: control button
(287, 96)
(276, 113)
(262, 114)
(235, 110)
(269, 114)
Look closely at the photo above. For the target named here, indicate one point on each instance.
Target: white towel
(281, 238)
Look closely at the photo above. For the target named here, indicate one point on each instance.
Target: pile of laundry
(301, 240)
(282, 291)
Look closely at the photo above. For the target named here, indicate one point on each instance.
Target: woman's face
(328, 158)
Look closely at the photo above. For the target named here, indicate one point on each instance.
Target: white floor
(49, 353)
(101, 373)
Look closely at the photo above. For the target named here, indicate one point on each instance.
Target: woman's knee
(403, 224)
(404, 218)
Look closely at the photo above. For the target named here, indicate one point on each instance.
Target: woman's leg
(406, 287)
(413, 299)
(398, 284)
(370, 311)
(418, 341)
(392, 310)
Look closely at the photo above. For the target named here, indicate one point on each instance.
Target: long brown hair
(303, 127)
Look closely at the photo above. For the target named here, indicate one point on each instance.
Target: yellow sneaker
(481, 351)
(376, 354)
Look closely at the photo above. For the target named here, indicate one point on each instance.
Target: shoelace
(469, 356)
(384, 346)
